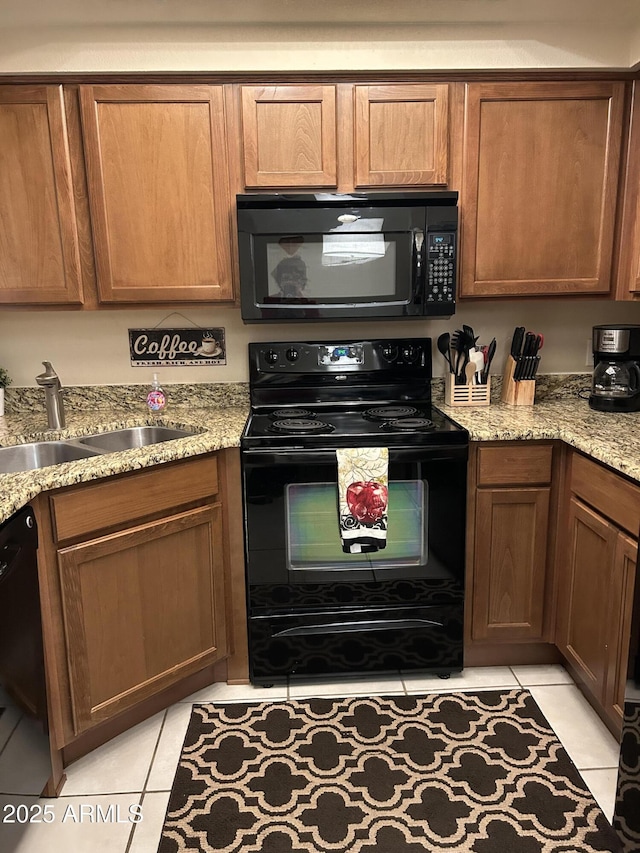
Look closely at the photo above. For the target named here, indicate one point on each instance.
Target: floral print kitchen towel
(363, 495)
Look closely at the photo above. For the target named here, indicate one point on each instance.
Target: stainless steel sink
(125, 439)
(39, 454)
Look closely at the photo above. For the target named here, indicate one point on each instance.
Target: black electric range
(315, 606)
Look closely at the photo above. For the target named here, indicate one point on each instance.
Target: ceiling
(21, 13)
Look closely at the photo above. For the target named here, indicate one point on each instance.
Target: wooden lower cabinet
(594, 612)
(510, 563)
(510, 542)
(142, 595)
(620, 610)
(552, 562)
(584, 611)
(597, 560)
(143, 608)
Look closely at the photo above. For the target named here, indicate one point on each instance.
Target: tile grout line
(142, 793)
(11, 733)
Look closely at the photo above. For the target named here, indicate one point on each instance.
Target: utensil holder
(517, 392)
(466, 395)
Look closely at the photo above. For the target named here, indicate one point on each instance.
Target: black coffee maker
(616, 368)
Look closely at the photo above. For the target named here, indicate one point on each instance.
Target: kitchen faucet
(53, 392)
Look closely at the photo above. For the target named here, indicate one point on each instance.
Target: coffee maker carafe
(616, 373)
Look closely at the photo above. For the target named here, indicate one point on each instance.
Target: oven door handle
(351, 627)
(311, 456)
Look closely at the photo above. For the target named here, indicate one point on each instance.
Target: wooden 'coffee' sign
(177, 347)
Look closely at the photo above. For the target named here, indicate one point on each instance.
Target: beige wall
(249, 48)
(220, 35)
(91, 348)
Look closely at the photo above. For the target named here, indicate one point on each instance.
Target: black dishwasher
(21, 652)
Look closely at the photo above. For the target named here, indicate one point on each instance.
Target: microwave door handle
(418, 248)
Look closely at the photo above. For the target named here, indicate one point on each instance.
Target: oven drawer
(363, 640)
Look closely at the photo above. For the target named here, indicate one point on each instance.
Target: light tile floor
(108, 790)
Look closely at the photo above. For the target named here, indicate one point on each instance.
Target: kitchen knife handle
(518, 373)
(516, 341)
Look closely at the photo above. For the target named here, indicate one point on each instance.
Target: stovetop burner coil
(285, 414)
(387, 413)
(303, 426)
(409, 424)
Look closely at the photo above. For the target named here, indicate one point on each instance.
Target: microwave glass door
(331, 270)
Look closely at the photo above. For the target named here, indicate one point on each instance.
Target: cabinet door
(585, 598)
(510, 564)
(539, 188)
(39, 254)
(619, 624)
(159, 193)
(142, 608)
(401, 135)
(628, 279)
(289, 136)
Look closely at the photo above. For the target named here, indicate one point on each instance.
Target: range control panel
(441, 269)
(325, 357)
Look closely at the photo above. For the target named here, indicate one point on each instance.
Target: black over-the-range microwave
(329, 256)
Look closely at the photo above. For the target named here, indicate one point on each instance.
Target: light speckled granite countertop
(222, 411)
(219, 419)
(610, 438)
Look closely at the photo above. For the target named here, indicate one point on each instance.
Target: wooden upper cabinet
(39, 253)
(540, 179)
(289, 136)
(628, 278)
(345, 136)
(401, 135)
(159, 192)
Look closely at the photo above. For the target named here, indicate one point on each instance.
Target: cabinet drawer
(106, 504)
(612, 495)
(515, 464)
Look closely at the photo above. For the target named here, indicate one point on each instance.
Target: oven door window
(313, 535)
(294, 554)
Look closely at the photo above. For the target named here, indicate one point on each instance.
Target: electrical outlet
(589, 357)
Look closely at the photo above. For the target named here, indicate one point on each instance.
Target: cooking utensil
(469, 372)
(444, 345)
(458, 356)
(477, 359)
(470, 335)
(463, 344)
(491, 351)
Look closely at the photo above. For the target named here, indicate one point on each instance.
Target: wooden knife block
(514, 393)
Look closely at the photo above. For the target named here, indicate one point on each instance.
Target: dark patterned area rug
(480, 772)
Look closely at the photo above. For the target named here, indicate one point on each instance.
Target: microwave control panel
(441, 269)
